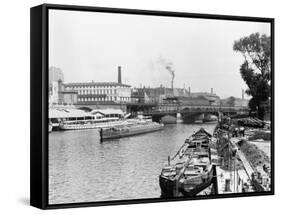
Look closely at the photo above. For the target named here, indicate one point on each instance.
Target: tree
(231, 101)
(256, 69)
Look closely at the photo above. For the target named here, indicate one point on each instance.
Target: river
(81, 169)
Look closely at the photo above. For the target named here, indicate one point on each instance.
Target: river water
(81, 169)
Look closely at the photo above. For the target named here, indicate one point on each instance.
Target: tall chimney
(242, 94)
(212, 90)
(119, 75)
(189, 91)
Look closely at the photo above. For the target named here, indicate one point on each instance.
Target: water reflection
(81, 169)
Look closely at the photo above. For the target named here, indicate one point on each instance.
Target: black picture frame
(39, 102)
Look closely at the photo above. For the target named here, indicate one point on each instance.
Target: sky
(89, 46)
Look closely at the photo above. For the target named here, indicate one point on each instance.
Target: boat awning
(108, 111)
(67, 113)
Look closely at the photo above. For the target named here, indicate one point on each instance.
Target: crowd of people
(234, 129)
(238, 131)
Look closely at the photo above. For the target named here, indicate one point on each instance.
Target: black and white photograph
(157, 107)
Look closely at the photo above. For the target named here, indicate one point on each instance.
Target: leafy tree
(231, 101)
(256, 69)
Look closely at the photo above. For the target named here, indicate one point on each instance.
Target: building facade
(139, 95)
(59, 96)
(53, 92)
(213, 98)
(55, 74)
(93, 93)
(234, 102)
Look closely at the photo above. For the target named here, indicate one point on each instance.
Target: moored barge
(129, 130)
(190, 171)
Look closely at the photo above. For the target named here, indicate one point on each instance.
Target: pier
(232, 170)
(238, 174)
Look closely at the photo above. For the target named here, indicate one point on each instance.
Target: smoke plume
(168, 66)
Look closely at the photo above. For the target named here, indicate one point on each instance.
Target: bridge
(190, 113)
(163, 108)
(157, 111)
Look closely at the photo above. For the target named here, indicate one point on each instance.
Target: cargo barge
(190, 171)
(129, 130)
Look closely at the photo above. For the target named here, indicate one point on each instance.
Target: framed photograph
(136, 106)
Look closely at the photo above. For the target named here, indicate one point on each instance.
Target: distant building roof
(96, 83)
(165, 91)
(193, 100)
(204, 94)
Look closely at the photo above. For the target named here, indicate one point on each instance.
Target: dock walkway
(248, 168)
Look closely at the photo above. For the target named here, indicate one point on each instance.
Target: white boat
(50, 128)
(91, 124)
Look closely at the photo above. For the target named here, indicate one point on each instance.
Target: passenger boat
(190, 171)
(132, 129)
(91, 124)
(50, 127)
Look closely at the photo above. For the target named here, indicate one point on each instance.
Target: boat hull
(89, 126)
(167, 187)
(199, 187)
(131, 133)
(189, 171)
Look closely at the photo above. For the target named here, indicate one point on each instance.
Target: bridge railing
(215, 107)
(170, 109)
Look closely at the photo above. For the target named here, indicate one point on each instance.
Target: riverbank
(253, 153)
(244, 149)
